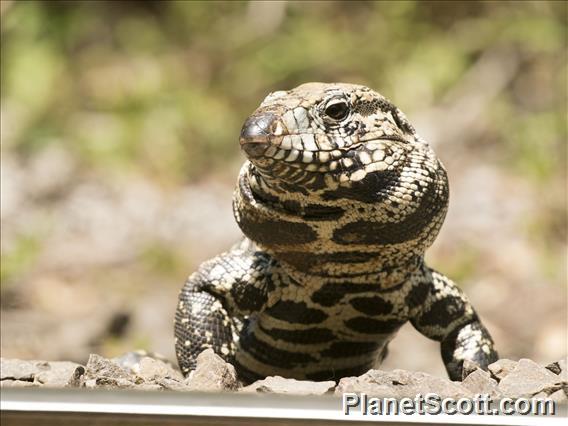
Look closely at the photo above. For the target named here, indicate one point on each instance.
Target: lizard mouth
(266, 144)
(375, 155)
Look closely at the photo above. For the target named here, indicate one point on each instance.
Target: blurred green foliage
(156, 91)
(162, 87)
(20, 258)
(163, 260)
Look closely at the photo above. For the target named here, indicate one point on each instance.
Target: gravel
(505, 378)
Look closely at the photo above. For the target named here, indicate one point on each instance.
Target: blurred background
(119, 154)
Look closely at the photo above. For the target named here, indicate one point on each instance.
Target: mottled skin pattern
(339, 200)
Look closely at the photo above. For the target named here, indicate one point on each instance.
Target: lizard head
(336, 140)
(347, 162)
(340, 132)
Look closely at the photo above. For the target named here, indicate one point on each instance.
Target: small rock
(559, 368)
(480, 382)
(61, 374)
(277, 384)
(46, 373)
(527, 379)
(107, 373)
(500, 368)
(400, 384)
(76, 377)
(468, 368)
(154, 370)
(17, 369)
(98, 366)
(212, 374)
(554, 367)
(160, 374)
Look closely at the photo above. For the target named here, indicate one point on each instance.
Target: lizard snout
(256, 133)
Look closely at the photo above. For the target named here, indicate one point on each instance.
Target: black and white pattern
(338, 202)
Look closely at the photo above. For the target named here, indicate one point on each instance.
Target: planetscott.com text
(432, 403)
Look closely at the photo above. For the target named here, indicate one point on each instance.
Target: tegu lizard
(338, 202)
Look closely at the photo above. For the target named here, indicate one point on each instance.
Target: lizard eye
(337, 109)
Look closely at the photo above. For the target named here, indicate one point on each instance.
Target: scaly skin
(338, 202)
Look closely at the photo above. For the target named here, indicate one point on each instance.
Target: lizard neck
(323, 239)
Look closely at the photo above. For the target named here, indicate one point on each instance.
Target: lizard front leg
(443, 313)
(215, 299)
